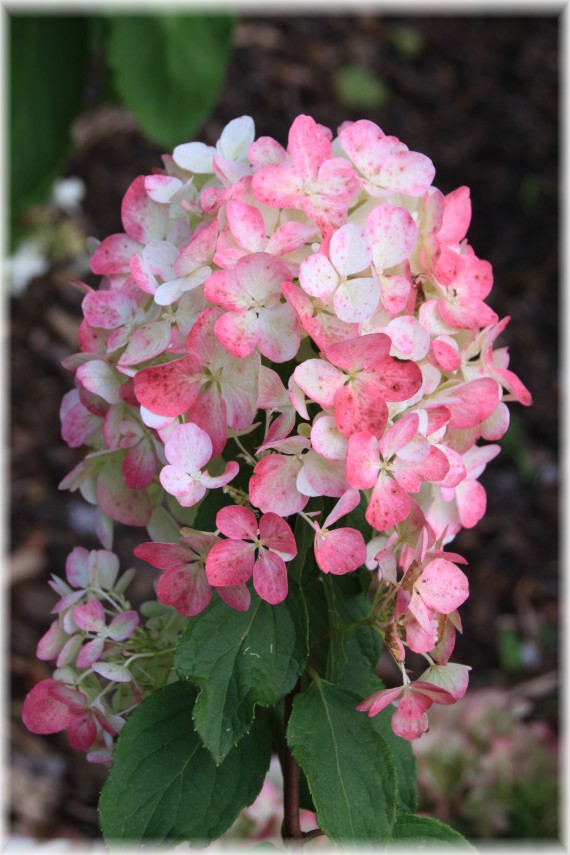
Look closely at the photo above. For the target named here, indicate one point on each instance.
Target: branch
(291, 828)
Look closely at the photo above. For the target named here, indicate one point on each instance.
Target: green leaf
(358, 88)
(164, 785)
(238, 660)
(403, 756)
(48, 77)
(348, 765)
(423, 832)
(169, 70)
(344, 650)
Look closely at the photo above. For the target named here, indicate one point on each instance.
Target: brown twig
(291, 828)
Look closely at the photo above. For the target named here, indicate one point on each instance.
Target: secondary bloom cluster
(283, 325)
(98, 645)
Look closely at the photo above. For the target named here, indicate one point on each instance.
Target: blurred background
(479, 95)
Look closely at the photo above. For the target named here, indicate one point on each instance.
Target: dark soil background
(479, 95)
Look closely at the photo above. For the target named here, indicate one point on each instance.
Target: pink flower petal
(456, 216)
(350, 250)
(170, 389)
(319, 380)
(392, 233)
(237, 332)
(113, 254)
(236, 596)
(278, 336)
(317, 276)
(143, 219)
(246, 225)
(179, 484)
(362, 462)
(276, 535)
(270, 577)
(407, 172)
(340, 551)
(347, 503)
(188, 447)
(90, 616)
(230, 562)
(237, 522)
(388, 505)
(443, 586)
(185, 588)
(164, 556)
(379, 700)
(272, 486)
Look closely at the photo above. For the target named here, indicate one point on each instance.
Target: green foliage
(423, 832)
(349, 767)
(239, 660)
(166, 69)
(164, 785)
(169, 70)
(48, 75)
(358, 88)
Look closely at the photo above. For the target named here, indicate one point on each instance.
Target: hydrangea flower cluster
(284, 325)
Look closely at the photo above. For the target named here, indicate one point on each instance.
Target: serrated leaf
(169, 70)
(239, 660)
(164, 785)
(348, 765)
(423, 832)
(46, 101)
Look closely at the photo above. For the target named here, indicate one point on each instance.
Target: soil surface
(480, 97)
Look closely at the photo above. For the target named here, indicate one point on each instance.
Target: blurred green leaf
(168, 70)
(357, 87)
(48, 78)
(407, 41)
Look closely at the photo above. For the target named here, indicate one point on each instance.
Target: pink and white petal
(379, 700)
(90, 617)
(418, 638)
(471, 500)
(456, 216)
(237, 522)
(445, 351)
(319, 323)
(199, 251)
(188, 447)
(409, 339)
(107, 309)
(246, 225)
(389, 504)
(170, 389)
(322, 477)
(195, 157)
(163, 556)
(340, 551)
(276, 535)
(289, 237)
(308, 146)
(425, 617)
(272, 486)
(337, 181)
(209, 413)
(236, 596)
(407, 172)
(179, 484)
(147, 341)
(278, 336)
(101, 379)
(327, 440)
(139, 465)
(356, 299)
(349, 500)
(317, 276)
(362, 461)
(215, 481)
(270, 577)
(515, 386)
(51, 643)
(457, 471)
(350, 250)
(361, 407)
(113, 254)
(400, 435)
(454, 678)
(395, 292)
(319, 380)
(359, 353)
(409, 728)
(144, 220)
(90, 653)
(431, 692)
(230, 562)
(392, 233)
(123, 625)
(223, 288)
(472, 402)
(240, 385)
(434, 467)
(236, 138)
(76, 567)
(185, 588)
(161, 188)
(112, 671)
(442, 586)
(265, 151)
(495, 426)
(278, 185)
(237, 332)
(387, 567)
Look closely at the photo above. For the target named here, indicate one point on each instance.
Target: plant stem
(291, 829)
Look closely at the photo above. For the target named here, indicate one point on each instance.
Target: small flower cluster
(317, 314)
(106, 662)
